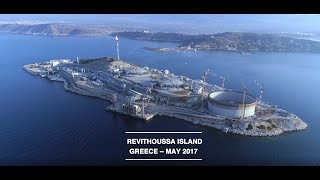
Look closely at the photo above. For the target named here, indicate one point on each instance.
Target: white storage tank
(229, 104)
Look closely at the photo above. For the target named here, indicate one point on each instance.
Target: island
(240, 42)
(143, 92)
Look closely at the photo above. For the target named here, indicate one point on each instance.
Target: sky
(197, 22)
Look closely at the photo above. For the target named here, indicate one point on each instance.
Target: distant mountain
(160, 36)
(230, 41)
(299, 35)
(55, 29)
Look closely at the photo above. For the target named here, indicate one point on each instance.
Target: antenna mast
(117, 41)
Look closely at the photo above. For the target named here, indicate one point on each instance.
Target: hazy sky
(212, 22)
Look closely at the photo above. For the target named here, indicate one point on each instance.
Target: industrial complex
(144, 92)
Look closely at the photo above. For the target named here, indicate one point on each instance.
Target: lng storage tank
(231, 104)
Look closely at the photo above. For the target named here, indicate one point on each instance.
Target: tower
(117, 41)
(77, 60)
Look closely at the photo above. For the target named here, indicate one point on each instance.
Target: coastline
(281, 124)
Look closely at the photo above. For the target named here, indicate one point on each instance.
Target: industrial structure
(144, 92)
(134, 89)
(230, 104)
(117, 42)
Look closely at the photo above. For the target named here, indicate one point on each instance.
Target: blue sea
(42, 124)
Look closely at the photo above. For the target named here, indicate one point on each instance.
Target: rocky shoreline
(265, 124)
(240, 127)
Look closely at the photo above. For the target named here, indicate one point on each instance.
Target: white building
(54, 62)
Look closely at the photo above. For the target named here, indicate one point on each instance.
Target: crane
(261, 89)
(203, 78)
(143, 99)
(245, 89)
(222, 79)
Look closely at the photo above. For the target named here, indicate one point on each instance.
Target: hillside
(230, 41)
